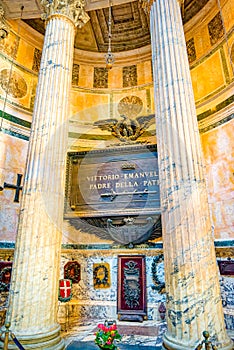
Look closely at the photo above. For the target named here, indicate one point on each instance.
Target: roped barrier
(13, 337)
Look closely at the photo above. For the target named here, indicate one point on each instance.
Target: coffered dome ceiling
(130, 27)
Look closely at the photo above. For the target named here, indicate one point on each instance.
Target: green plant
(106, 335)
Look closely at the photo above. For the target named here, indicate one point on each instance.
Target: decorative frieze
(75, 74)
(100, 79)
(36, 60)
(191, 51)
(130, 76)
(216, 30)
(72, 9)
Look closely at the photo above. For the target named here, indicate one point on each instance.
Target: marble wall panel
(208, 76)
(115, 77)
(98, 304)
(25, 54)
(89, 107)
(227, 291)
(144, 72)
(229, 52)
(217, 147)
(102, 303)
(86, 76)
(12, 162)
(201, 40)
(227, 14)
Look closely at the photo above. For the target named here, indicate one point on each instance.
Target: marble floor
(146, 334)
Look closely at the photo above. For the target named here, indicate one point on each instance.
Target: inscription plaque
(226, 267)
(110, 183)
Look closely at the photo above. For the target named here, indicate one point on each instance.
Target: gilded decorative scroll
(72, 9)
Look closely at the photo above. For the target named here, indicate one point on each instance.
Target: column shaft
(34, 287)
(191, 274)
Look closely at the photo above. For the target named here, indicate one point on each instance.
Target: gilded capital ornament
(73, 9)
(4, 28)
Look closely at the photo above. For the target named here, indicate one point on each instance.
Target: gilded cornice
(74, 10)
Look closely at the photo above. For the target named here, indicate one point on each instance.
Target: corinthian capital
(4, 28)
(74, 9)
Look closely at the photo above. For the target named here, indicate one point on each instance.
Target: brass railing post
(7, 332)
(208, 344)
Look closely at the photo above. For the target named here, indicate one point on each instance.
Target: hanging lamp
(109, 57)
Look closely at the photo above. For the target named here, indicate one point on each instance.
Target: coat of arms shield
(65, 293)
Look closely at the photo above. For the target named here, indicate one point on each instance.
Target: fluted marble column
(34, 288)
(191, 274)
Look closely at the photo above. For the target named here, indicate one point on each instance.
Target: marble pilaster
(34, 288)
(191, 274)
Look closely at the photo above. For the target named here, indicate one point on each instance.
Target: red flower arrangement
(106, 335)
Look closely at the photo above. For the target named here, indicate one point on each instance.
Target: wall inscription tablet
(112, 182)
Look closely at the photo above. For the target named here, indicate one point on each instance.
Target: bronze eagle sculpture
(126, 129)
